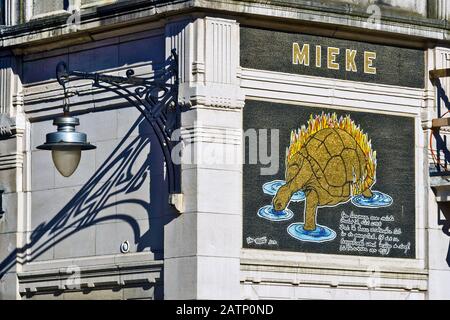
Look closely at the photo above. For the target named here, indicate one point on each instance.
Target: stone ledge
(390, 13)
(259, 272)
(57, 19)
(109, 272)
(286, 267)
(346, 15)
(118, 15)
(340, 263)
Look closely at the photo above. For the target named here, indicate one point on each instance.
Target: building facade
(311, 167)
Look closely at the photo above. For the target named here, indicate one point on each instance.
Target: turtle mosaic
(331, 160)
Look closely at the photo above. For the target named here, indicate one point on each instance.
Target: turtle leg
(312, 201)
(368, 193)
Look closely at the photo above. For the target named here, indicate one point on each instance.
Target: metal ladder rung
(439, 73)
(440, 122)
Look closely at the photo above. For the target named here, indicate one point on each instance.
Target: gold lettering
(300, 56)
(332, 53)
(350, 64)
(318, 56)
(368, 62)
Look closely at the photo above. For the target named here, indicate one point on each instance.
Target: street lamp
(155, 97)
(66, 144)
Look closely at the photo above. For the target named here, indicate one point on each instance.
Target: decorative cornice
(101, 276)
(209, 134)
(307, 90)
(209, 75)
(6, 125)
(95, 19)
(11, 161)
(265, 272)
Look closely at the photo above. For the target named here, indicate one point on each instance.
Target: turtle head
(281, 199)
(284, 194)
(298, 172)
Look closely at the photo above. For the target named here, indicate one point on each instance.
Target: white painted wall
(118, 192)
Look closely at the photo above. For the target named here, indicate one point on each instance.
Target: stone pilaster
(443, 62)
(439, 9)
(202, 246)
(12, 233)
(12, 12)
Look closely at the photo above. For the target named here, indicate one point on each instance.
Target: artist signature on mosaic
(262, 241)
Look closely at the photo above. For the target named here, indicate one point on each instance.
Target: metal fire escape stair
(440, 172)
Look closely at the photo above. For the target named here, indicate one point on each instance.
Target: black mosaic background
(272, 50)
(392, 138)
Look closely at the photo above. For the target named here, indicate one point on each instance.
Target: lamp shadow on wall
(121, 174)
(445, 223)
(443, 207)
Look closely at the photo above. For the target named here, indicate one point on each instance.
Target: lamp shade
(66, 145)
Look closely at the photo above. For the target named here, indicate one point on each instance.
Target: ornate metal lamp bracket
(155, 97)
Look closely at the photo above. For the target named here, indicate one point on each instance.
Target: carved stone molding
(209, 61)
(6, 124)
(439, 9)
(443, 62)
(90, 277)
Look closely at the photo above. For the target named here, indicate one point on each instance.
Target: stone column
(12, 123)
(439, 9)
(202, 246)
(12, 12)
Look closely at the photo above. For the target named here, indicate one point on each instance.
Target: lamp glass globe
(66, 160)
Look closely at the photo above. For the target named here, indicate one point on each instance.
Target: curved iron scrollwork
(155, 97)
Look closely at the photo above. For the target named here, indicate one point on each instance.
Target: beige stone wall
(89, 3)
(115, 194)
(418, 7)
(40, 7)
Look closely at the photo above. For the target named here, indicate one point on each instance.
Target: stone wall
(401, 7)
(434, 9)
(117, 194)
(67, 232)
(41, 7)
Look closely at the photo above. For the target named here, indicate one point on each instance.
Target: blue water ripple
(378, 200)
(269, 213)
(320, 234)
(271, 188)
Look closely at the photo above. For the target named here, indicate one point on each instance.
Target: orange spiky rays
(300, 136)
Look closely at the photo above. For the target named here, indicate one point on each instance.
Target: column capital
(210, 74)
(439, 9)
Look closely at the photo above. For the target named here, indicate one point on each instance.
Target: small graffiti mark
(262, 240)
